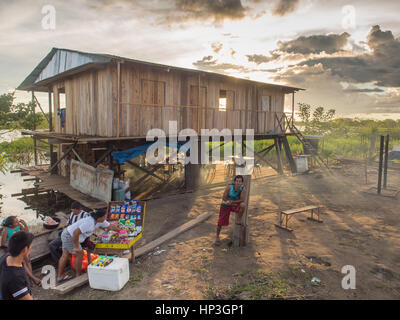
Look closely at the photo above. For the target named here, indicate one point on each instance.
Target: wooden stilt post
(118, 94)
(289, 155)
(278, 154)
(63, 156)
(292, 108)
(50, 130)
(192, 171)
(34, 128)
(110, 158)
(241, 232)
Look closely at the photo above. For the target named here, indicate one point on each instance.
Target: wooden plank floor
(61, 184)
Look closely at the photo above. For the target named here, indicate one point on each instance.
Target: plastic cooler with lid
(112, 277)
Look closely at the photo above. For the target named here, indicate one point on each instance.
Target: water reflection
(11, 183)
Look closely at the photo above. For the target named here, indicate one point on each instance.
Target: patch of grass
(137, 277)
(255, 285)
(243, 273)
(210, 293)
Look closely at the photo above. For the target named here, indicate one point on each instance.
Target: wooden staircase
(309, 146)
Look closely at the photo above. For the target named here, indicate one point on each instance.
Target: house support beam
(278, 155)
(192, 171)
(289, 154)
(77, 155)
(62, 158)
(103, 156)
(241, 231)
(257, 154)
(145, 171)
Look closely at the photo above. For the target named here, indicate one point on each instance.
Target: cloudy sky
(345, 53)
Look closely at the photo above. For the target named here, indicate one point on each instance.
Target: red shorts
(224, 213)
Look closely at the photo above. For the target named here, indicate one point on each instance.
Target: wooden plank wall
(151, 97)
(90, 103)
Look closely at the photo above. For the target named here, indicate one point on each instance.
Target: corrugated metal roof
(60, 61)
(57, 62)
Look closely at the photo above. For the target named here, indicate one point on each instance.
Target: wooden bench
(287, 214)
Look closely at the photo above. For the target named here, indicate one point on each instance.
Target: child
(13, 278)
(11, 225)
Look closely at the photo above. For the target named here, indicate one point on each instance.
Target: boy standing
(13, 278)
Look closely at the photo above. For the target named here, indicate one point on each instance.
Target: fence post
(380, 164)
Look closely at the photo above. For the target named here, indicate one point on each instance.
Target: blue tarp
(394, 155)
(125, 155)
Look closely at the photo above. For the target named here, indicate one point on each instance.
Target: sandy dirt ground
(359, 229)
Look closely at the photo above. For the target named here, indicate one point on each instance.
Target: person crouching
(75, 234)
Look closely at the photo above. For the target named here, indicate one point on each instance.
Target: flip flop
(66, 278)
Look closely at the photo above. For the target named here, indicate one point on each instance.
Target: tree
(319, 122)
(304, 112)
(19, 116)
(6, 101)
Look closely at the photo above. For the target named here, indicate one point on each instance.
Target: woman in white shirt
(75, 234)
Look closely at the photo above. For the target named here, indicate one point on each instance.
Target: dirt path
(359, 230)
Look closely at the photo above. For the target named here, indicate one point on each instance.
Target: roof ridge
(30, 81)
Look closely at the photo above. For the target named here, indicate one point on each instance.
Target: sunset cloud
(297, 43)
(284, 7)
(381, 66)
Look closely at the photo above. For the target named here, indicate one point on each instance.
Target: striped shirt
(75, 217)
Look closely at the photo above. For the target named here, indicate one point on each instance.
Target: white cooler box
(112, 278)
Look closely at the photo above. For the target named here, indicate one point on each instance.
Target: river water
(11, 183)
